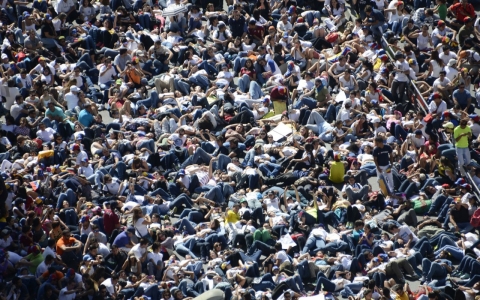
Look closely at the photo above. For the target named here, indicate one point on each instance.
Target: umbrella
(174, 10)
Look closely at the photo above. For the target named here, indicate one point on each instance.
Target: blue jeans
(69, 195)
(456, 252)
(308, 101)
(433, 270)
(463, 156)
(270, 169)
(150, 102)
(255, 90)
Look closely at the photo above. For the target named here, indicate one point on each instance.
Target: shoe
(415, 277)
(174, 210)
(465, 276)
(422, 280)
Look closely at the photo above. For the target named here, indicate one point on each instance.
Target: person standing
(462, 133)
(382, 154)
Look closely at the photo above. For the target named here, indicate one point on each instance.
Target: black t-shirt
(238, 152)
(278, 58)
(382, 155)
(248, 282)
(407, 31)
(461, 215)
(47, 28)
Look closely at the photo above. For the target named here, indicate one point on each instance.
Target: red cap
(445, 186)
(436, 95)
(300, 20)
(467, 19)
(476, 119)
(440, 23)
(76, 147)
(446, 113)
(282, 90)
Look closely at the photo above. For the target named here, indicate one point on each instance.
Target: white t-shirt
(138, 251)
(112, 187)
(282, 256)
(404, 233)
(438, 83)
(16, 109)
(272, 204)
(447, 57)
(109, 285)
(72, 100)
(63, 296)
(156, 257)
(141, 228)
(107, 76)
(177, 140)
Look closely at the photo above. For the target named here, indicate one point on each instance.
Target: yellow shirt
(463, 142)
(232, 217)
(402, 297)
(337, 171)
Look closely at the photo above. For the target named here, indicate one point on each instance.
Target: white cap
(74, 88)
(4, 56)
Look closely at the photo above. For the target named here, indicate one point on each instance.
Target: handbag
(429, 117)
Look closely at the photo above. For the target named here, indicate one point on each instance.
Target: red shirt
(248, 72)
(110, 221)
(257, 31)
(462, 12)
(275, 94)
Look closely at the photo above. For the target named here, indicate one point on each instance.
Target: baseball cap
(225, 264)
(418, 132)
(48, 17)
(466, 186)
(76, 147)
(460, 181)
(448, 125)
(74, 88)
(181, 172)
(436, 95)
(131, 229)
(441, 23)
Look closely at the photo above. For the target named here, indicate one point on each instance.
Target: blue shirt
(122, 240)
(377, 15)
(462, 98)
(85, 118)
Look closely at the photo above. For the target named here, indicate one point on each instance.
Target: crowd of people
(238, 151)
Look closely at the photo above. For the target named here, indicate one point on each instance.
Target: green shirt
(464, 33)
(321, 96)
(35, 260)
(463, 142)
(442, 12)
(58, 112)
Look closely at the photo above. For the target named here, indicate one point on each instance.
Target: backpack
(475, 220)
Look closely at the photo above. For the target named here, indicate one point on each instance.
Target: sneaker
(415, 277)
(173, 211)
(465, 276)
(422, 280)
